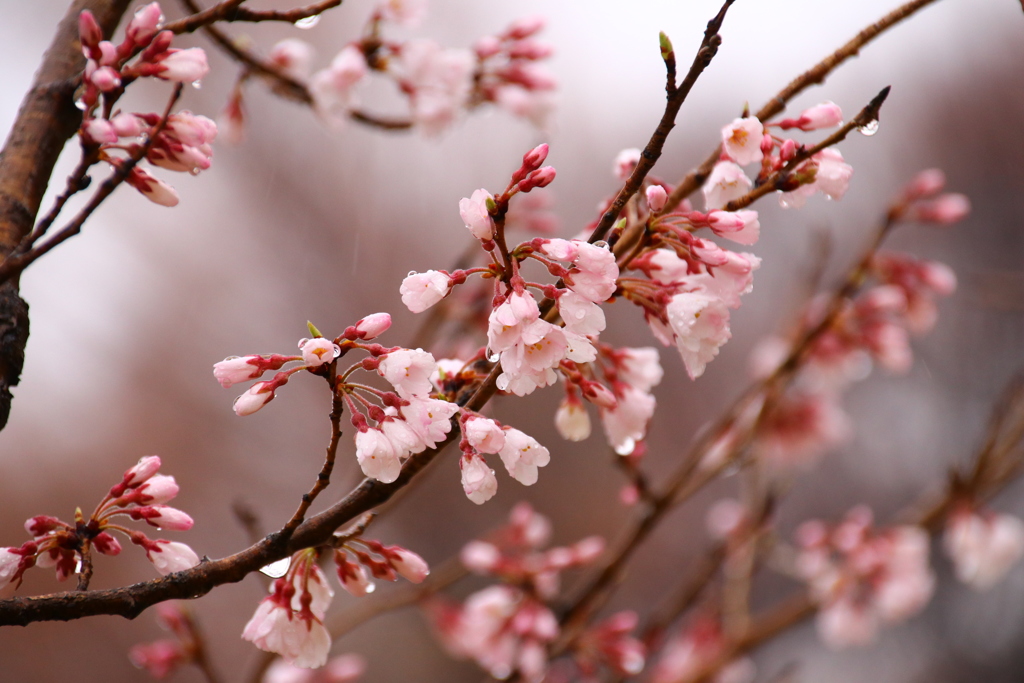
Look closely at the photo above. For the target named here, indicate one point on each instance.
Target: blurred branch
(230, 10)
(813, 76)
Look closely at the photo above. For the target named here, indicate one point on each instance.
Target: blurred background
(304, 223)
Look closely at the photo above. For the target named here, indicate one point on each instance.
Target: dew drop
(80, 104)
(493, 356)
(195, 171)
(626, 447)
(370, 588)
(411, 273)
(197, 85)
(502, 382)
(302, 342)
(869, 128)
(337, 350)
(784, 201)
(276, 570)
(601, 243)
(308, 22)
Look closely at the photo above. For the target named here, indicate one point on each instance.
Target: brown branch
(229, 10)
(15, 263)
(813, 76)
(45, 121)
(676, 96)
(779, 179)
(130, 601)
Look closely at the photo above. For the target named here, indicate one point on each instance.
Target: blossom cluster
(506, 628)
(141, 495)
(863, 577)
(183, 144)
(289, 622)
(439, 83)
(982, 544)
(693, 649)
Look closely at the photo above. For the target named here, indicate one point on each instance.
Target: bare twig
(230, 10)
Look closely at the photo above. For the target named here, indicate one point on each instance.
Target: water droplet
(601, 243)
(302, 342)
(308, 22)
(411, 273)
(276, 570)
(143, 138)
(784, 201)
(626, 447)
(337, 350)
(370, 588)
(78, 565)
(501, 671)
(502, 382)
(195, 171)
(493, 356)
(869, 128)
(231, 358)
(80, 104)
(197, 85)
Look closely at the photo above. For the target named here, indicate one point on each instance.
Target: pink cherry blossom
(522, 455)
(420, 291)
(144, 24)
(409, 565)
(318, 351)
(572, 421)
(741, 140)
(153, 189)
(332, 88)
(147, 466)
(429, 418)
(726, 182)
(162, 517)
(475, 215)
(484, 434)
(478, 480)
(983, 547)
(626, 423)
(160, 658)
(377, 457)
(594, 273)
(824, 115)
(581, 316)
(738, 226)
(700, 324)
(409, 371)
(944, 210)
(626, 160)
(640, 367)
(183, 66)
(353, 576)
(440, 81)
(656, 198)
(293, 56)
(258, 395)
(403, 12)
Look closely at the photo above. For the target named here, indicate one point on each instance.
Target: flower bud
(656, 198)
(373, 326)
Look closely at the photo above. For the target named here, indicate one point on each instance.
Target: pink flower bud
(420, 291)
(99, 131)
(588, 550)
(927, 183)
(478, 480)
(409, 565)
(89, 32)
(656, 198)
(157, 489)
(41, 525)
(373, 326)
(183, 66)
(625, 162)
(480, 557)
(484, 434)
(824, 115)
(231, 371)
(106, 544)
(105, 78)
(943, 210)
(572, 421)
(146, 468)
(598, 394)
(162, 517)
(353, 577)
(153, 189)
(255, 398)
(127, 125)
(160, 658)
(542, 177)
(535, 157)
(294, 56)
(476, 216)
(145, 24)
(525, 27)
(170, 556)
(487, 46)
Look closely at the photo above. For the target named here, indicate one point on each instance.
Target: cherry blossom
(478, 480)
(726, 182)
(741, 140)
(420, 291)
(983, 546)
(475, 214)
(700, 323)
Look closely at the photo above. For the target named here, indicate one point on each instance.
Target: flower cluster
(289, 622)
(340, 669)
(439, 83)
(862, 577)
(184, 142)
(519, 452)
(698, 646)
(506, 628)
(141, 496)
(161, 658)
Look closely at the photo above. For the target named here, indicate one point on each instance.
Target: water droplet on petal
(197, 85)
(502, 382)
(370, 588)
(601, 243)
(302, 342)
(231, 358)
(80, 104)
(411, 273)
(869, 128)
(308, 22)
(337, 350)
(276, 570)
(493, 356)
(195, 171)
(626, 447)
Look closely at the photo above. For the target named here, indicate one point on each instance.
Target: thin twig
(676, 96)
(229, 10)
(815, 75)
(16, 263)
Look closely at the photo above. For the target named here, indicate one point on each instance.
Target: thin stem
(16, 263)
(229, 10)
(85, 576)
(815, 75)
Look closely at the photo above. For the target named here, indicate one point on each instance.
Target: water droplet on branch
(308, 22)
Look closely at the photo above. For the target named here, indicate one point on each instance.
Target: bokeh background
(304, 223)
